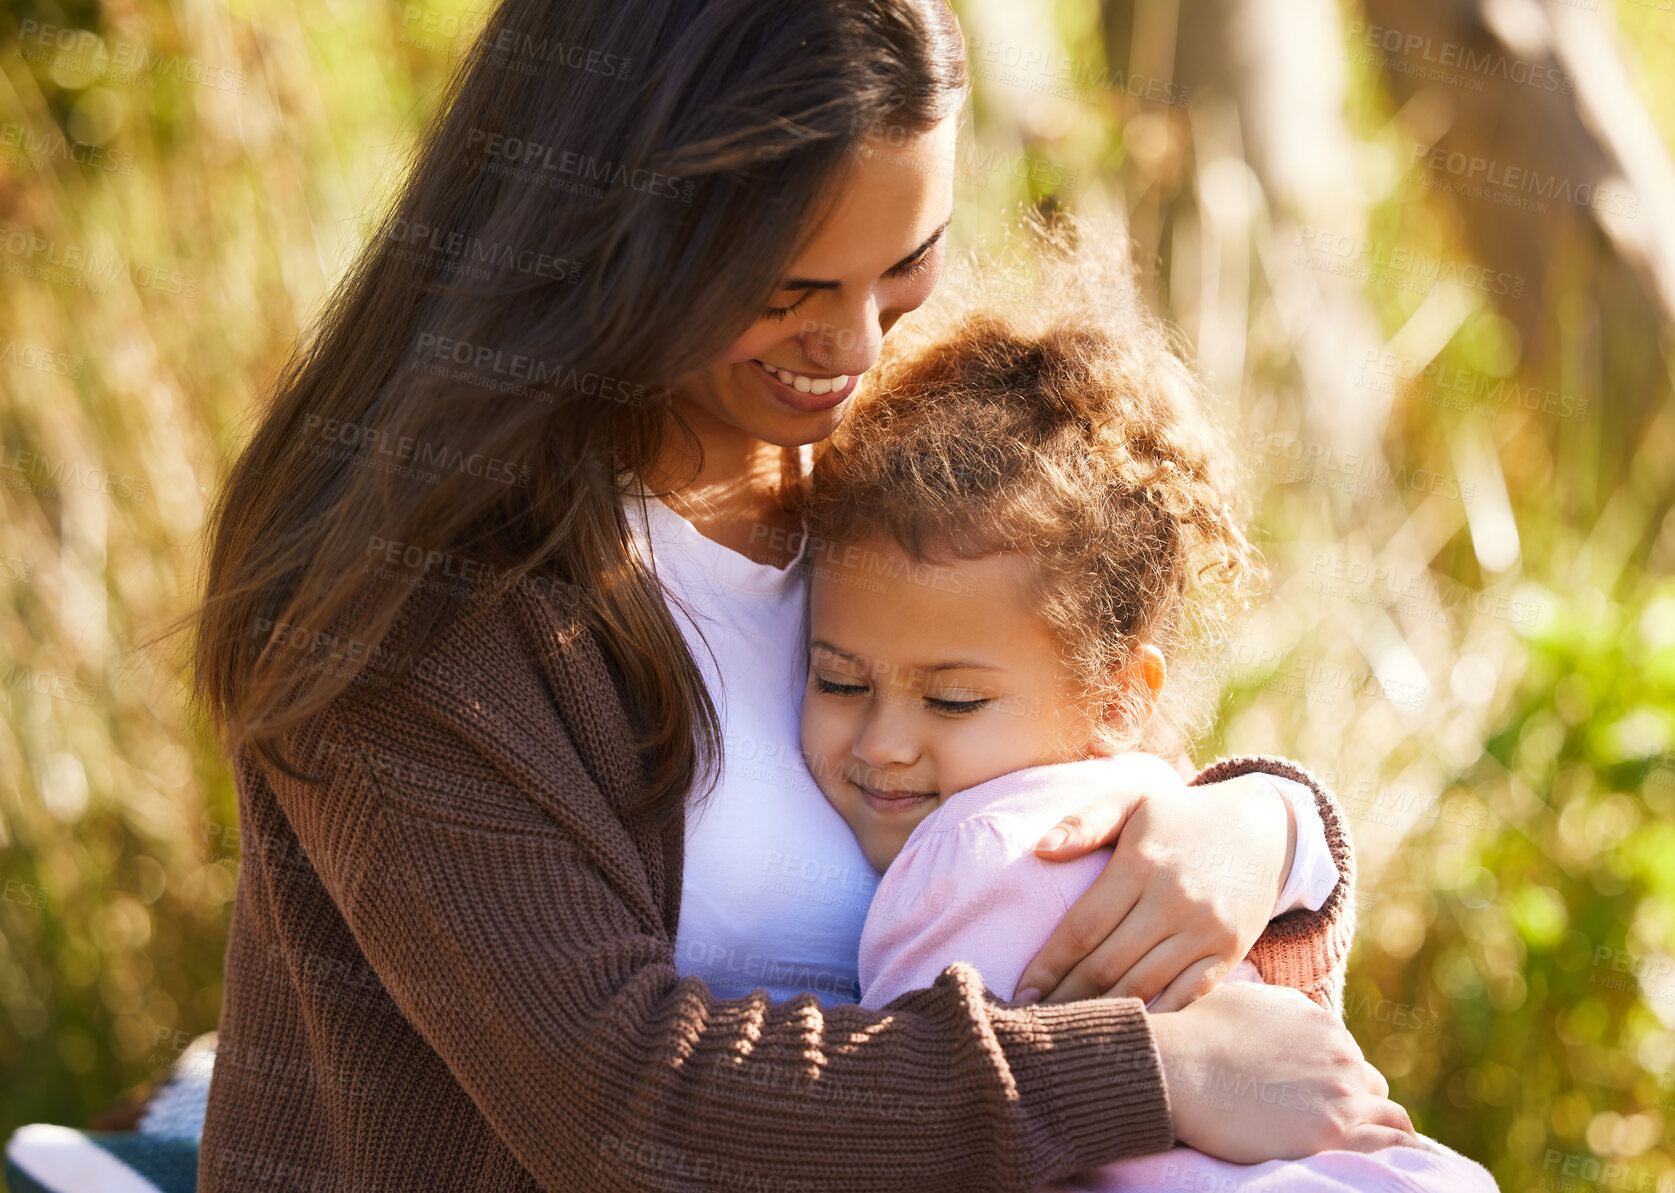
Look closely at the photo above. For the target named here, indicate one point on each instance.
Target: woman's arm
(1305, 949)
(1250, 1078)
(1190, 890)
(508, 913)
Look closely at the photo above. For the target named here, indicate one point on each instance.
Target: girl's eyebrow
(929, 668)
(816, 284)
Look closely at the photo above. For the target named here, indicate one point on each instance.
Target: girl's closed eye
(834, 688)
(956, 707)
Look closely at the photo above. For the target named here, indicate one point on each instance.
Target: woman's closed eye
(908, 269)
(784, 312)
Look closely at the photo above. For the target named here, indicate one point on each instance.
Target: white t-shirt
(775, 888)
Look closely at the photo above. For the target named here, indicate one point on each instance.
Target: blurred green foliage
(1527, 925)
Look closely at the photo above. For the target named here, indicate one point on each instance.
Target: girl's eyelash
(955, 707)
(783, 312)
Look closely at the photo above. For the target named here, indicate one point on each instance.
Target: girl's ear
(1139, 684)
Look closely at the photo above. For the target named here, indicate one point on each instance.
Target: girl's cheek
(828, 730)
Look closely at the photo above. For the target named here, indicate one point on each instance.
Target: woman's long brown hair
(606, 198)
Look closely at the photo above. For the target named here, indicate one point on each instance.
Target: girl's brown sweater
(452, 967)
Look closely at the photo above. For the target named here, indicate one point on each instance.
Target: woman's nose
(850, 346)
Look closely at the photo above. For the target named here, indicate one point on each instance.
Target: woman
(478, 941)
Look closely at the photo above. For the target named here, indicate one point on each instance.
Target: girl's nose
(884, 739)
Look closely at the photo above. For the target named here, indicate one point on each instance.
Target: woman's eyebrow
(816, 284)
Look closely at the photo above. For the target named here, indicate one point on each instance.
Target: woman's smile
(804, 392)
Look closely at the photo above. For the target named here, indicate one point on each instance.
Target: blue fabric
(162, 1156)
(169, 1165)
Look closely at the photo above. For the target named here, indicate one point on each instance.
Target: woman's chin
(785, 429)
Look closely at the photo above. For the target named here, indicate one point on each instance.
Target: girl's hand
(1190, 887)
(1259, 1073)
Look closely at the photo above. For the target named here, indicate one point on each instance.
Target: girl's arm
(1190, 890)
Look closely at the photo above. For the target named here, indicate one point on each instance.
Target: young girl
(1026, 529)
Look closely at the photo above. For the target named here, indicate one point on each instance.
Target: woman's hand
(1260, 1073)
(1190, 887)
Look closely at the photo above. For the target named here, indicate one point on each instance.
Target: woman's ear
(1139, 682)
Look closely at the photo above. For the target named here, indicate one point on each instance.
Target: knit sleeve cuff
(1093, 1068)
(1306, 950)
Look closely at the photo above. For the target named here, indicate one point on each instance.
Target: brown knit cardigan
(452, 967)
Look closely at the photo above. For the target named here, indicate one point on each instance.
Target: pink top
(968, 887)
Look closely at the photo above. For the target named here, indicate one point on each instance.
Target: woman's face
(876, 257)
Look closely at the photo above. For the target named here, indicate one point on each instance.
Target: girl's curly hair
(1055, 420)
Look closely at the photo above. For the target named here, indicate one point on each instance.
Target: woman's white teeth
(807, 385)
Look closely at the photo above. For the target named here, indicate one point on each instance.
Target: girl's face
(925, 680)
(876, 257)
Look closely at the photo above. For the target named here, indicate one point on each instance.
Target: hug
(933, 609)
